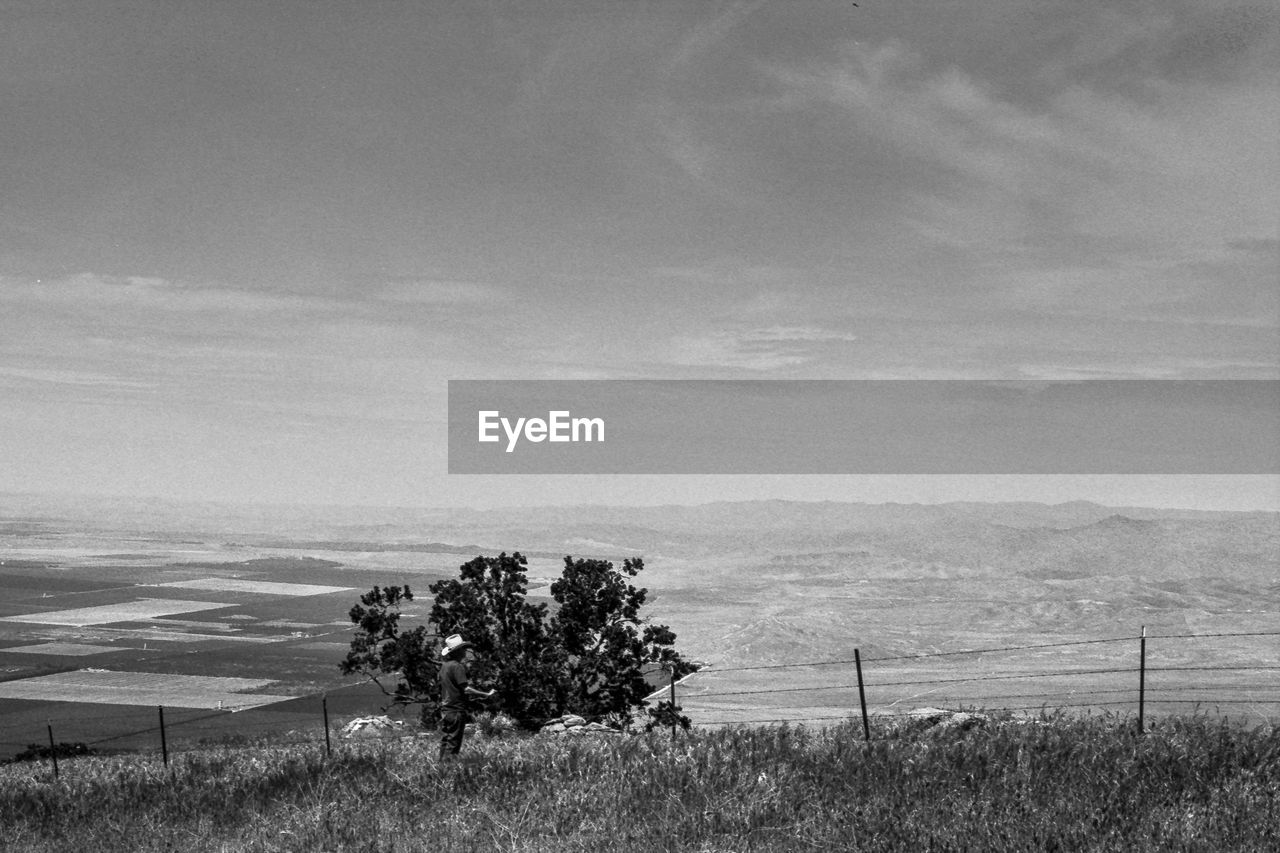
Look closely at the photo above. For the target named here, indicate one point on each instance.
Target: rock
(591, 730)
(371, 727)
(928, 714)
(963, 720)
(945, 720)
(572, 724)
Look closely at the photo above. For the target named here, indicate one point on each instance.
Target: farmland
(187, 629)
(99, 627)
(775, 599)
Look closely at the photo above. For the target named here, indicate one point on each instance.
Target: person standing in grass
(455, 694)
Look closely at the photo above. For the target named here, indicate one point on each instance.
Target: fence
(1143, 673)
(1157, 672)
(164, 730)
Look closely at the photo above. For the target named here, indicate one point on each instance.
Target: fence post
(1142, 677)
(53, 750)
(862, 695)
(164, 743)
(675, 720)
(324, 707)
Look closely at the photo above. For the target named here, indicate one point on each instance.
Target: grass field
(1060, 783)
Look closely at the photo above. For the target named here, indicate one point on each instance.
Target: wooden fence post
(675, 720)
(324, 707)
(164, 743)
(1142, 677)
(862, 695)
(53, 750)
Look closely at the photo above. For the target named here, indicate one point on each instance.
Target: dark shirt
(453, 686)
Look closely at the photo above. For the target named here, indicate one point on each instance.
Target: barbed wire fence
(887, 680)
(892, 683)
(149, 730)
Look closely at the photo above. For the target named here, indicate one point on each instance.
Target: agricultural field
(1017, 607)
(95, 641)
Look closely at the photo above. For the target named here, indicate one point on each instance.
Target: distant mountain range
(1073, 539)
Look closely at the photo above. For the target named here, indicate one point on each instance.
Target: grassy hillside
(1057, 784)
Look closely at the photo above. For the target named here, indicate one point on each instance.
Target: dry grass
(1060, 784)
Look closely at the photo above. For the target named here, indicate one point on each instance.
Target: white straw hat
(453, 643)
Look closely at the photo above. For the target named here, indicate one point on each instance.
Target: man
(455, 694)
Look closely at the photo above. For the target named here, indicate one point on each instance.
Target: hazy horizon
(1223, 495)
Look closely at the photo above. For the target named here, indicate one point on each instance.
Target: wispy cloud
(183, 341)
(146, 293)
(73, 378)
(757, 350)
(725, 350)
(707, 34)
(798, 334)
(438, 293)
(1143, 188)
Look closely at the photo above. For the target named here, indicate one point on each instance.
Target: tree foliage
(608, 648)
(590, 655)
(382, 652)
(488, 605)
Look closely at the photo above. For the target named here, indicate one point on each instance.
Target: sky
(245, 245)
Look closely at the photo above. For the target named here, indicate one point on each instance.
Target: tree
(590, 657)
(380, 651)
(609, 649)
(488, 605)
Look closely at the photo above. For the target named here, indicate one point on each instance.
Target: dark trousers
(452, 726)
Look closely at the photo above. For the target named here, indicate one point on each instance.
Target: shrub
(38, 752)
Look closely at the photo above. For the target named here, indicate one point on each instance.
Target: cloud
(1201, 41)
(706, 35)
(727, 350)
(799, 334)
(948, 121)
(145, 293)
(74, 378)
(438, 293)
(1087, 199)
(758, 350)
(182, 341)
